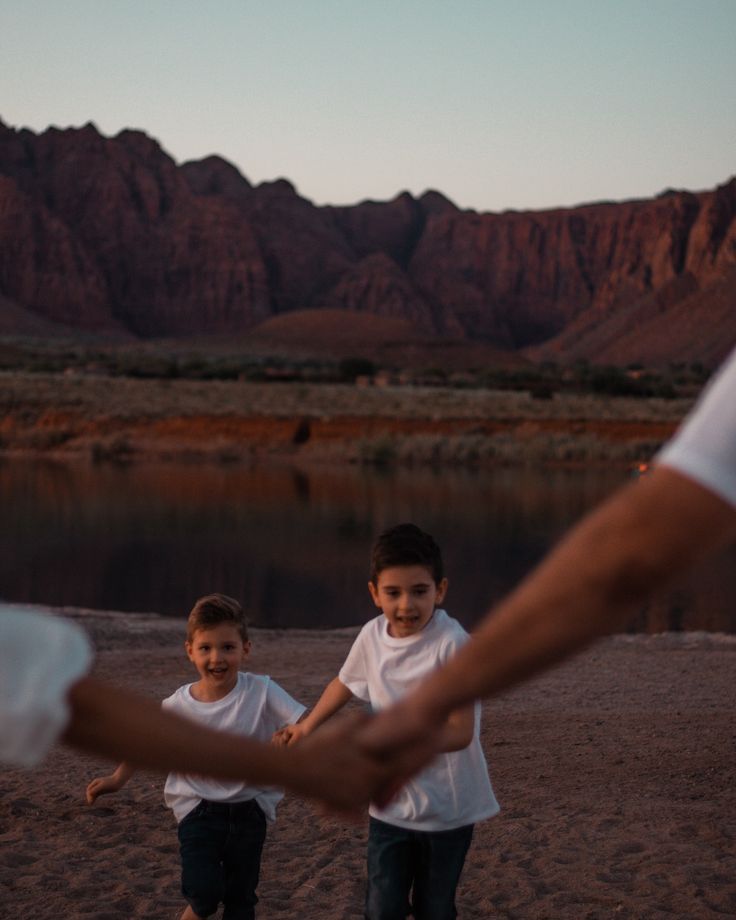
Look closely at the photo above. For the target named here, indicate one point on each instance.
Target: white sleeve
(353, 674)
(40, 658)
(453, 642)
(282, 707)
(704, 447)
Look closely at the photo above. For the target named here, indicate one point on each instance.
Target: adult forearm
(588, 586)
(122, 725)
(332, 766)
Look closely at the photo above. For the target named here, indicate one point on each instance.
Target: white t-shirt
(40, 658)
(454, 790)
(704, 447)
(257, 707)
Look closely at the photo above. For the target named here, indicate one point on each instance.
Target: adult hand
(339, 765)
(405, 740)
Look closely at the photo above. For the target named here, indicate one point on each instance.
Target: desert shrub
(542, 390)
(116, 450)
(228, 455)
(379, 451)
(302, 432)
(351, 368)
(47, 438)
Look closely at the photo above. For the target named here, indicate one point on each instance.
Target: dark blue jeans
(426, 864)
(220, 846)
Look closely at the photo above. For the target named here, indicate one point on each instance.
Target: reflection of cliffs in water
(292, 545)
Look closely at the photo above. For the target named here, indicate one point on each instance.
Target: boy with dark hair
(406, 544)
(222, 825)
(418, 842)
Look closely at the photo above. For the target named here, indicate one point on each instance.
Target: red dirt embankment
(104, 418)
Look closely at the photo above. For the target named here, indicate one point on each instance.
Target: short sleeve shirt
(455, 789)
(704, 447)
(257, 706)
(41, 656)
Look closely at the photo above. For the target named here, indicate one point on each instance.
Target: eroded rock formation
(109, 234)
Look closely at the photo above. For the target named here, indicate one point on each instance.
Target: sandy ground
(616, 775)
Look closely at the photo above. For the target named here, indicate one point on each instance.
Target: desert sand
(616, 775)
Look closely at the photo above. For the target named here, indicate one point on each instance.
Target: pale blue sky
(517, 104)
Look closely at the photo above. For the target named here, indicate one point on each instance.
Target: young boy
(222, 825)
(418, 842)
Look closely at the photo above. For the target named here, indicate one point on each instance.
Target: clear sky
(497, 103)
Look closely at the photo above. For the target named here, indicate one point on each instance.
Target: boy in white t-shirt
(222, 825)
(417, 844)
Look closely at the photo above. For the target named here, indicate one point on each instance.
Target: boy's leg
(440, 859)
(389, 871)
(242, 860)
(201, 839)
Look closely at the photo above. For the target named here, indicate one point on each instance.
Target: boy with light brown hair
(221, 824)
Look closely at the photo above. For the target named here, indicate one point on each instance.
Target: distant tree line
(542, 381)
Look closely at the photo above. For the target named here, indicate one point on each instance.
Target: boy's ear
(441, 591)
(188, 648)
(374, 593)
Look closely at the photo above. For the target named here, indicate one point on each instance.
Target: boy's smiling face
(217, 653)
(407, 595)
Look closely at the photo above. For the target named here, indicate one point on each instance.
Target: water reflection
(294, 545)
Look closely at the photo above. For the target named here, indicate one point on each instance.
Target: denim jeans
(423, 865)
(220, 845)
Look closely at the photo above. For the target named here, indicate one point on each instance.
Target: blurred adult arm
(590, 584)
(47, 696)
(331, 767)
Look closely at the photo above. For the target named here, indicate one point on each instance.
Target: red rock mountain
(109, 235)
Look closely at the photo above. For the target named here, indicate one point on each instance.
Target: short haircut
(403, 545)
(214, 609)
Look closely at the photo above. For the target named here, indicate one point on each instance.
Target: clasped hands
(356, 758)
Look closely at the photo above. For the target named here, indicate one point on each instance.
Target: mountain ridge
(111, 236)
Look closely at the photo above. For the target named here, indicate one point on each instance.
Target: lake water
(293, 546)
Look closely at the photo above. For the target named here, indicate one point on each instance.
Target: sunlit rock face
(110, 234)
(117, 220)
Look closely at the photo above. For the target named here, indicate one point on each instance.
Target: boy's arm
(334, 697)
(103, 785)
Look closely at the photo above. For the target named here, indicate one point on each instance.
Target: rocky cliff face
(109, 234)
(118, 239)
(522, 278)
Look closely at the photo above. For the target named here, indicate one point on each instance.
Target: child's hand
(281, 737)
(288, 735)
(102, 785)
